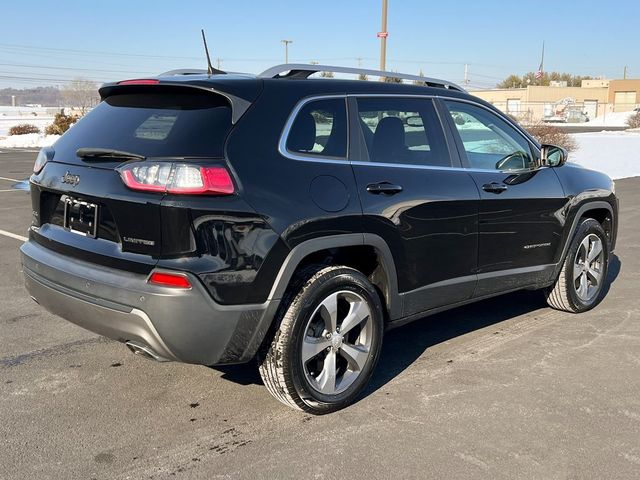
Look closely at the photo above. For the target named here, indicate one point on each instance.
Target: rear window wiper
(98, 153)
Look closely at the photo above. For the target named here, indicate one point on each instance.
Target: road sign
(382, 34)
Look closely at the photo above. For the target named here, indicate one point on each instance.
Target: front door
(520, 223)
(412, 195)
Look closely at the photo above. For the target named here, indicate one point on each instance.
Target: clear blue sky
(120, 39)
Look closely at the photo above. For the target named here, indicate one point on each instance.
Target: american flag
(539, 73)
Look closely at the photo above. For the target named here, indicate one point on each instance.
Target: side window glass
(402, 131)
(489, 142)
(320, 129)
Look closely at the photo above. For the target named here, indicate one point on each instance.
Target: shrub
(61, 124)
(553, 135)
(634, 120)
(23, 129)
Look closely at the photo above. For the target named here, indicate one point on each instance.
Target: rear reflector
(169, 280)
(140, 81)
(176, 178)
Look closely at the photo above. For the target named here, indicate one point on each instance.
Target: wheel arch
(600, 211)
(339, 246)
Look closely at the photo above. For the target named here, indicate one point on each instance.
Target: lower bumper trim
(117, 322)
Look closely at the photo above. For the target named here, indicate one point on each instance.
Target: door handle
(383, 188)
(494, 187)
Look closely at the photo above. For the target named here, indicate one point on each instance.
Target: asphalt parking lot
(506, 388)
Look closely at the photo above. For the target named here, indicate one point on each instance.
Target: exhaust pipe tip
(145, 351)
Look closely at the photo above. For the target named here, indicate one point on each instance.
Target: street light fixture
(286, 49)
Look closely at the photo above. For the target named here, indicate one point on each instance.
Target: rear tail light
(44, 155)
(176, 178)
(175, 280)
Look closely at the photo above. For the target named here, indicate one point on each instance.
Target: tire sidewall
(587, 227)
(344, 279)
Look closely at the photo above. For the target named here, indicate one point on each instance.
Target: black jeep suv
(216, 219)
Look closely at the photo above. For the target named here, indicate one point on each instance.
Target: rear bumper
(176, 324)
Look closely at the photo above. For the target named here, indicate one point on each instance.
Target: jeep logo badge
(71, 179)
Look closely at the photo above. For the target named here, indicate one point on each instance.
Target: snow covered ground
(615, 153)
(30, 140)
(6, 122)
(38, 116)
(617, 119)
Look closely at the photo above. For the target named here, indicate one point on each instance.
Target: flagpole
(542, 64)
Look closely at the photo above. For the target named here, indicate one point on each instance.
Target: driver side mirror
(553, 156)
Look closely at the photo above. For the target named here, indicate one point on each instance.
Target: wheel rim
(337, 342)
(587, 268)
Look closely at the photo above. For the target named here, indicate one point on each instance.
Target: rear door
(82, 206)
(416, 197)
(520, 221)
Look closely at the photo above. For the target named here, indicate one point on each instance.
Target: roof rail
(183, 71)
(301, 70)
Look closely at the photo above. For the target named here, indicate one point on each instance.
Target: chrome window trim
(284, 136)
(282, 144)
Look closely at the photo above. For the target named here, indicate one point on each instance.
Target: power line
(73, 68)
(94, 52)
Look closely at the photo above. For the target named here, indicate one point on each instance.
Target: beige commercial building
(594, 98)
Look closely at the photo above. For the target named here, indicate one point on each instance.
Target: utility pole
(383, 34)
(286, 49)
(219, 62)
(359, 60)
(466, 74)
(624, 76)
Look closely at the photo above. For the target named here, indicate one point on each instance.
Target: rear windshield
(153, 125)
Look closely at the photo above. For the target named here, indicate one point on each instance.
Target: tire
(308, 346)
(568, 293)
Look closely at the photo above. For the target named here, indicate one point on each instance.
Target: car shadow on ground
(402, 346)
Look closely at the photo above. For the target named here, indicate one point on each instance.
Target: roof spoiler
(238, 105)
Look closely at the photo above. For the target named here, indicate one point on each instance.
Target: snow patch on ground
(6, 122)
(30, 140)
(617, 119)
(615, 153)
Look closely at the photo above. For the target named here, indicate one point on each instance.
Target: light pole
(286, 49)
(383, 37)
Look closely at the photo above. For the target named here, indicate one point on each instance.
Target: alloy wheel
(337, 342)
(588, 268)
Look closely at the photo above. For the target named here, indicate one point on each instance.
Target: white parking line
(13, 190)
(13, 235)
(10, 179)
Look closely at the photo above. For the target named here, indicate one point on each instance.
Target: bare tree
(392, 79)
(420, 82)
(363, 76)
(81, 93)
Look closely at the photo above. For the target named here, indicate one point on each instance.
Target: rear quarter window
(320, 129)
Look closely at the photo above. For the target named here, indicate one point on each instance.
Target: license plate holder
(81, 217)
